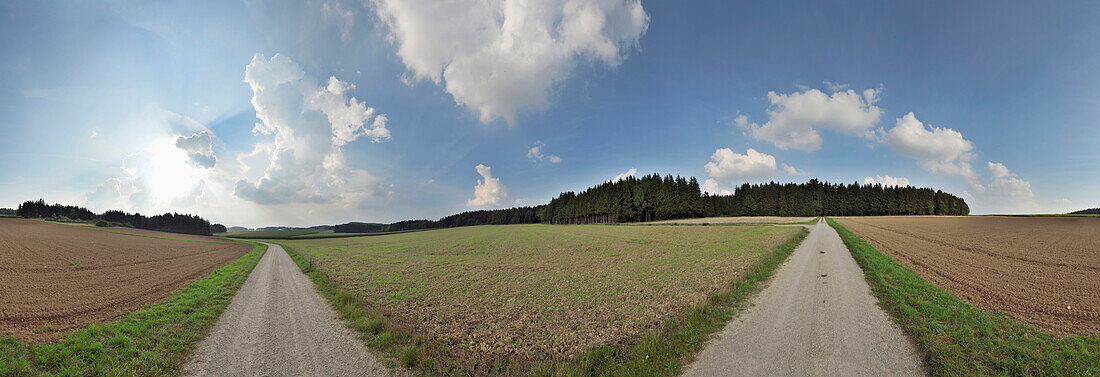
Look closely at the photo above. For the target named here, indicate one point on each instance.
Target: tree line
(168, 222)
(816, 198)
(1090, 211)
(655, 197)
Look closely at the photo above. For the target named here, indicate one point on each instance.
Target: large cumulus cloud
(794, 119)
(310, 123)
(498, 57)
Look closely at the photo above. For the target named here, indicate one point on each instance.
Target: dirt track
(278, 325)
(55, 279)
(816, 318)
(1041, 270)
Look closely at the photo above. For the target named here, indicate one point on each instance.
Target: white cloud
(106, 195)
(998, 170)
(794, 118)
(887, 181)
(199, 148)
(727, 164)
(502, 56)
(1062, 205)
(790, 170)
(941, 151)
(711, 186)
(1004, 193)
(344, 18)
(628, 173)
(154, 178)
(488, 192)
(310, 124)
(535, 154)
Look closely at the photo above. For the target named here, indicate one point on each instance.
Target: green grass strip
(662, 351)
(958, 339)
(152, 341)
(91, 227)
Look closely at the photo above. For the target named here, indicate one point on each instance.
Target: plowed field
(1041, 270)
(55, 278)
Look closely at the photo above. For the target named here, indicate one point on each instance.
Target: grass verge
(661, 351)
(152, 341)
(958, 339)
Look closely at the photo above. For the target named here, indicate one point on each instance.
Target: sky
(261, 113)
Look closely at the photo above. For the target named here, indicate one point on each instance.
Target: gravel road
(279, 325)
(816, 318)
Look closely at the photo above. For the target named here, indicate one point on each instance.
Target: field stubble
(538, 292)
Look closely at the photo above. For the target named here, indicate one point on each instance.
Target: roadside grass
(152, 341)
(958, 339)
(660, 350)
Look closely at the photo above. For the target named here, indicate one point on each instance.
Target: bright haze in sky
(299, 113)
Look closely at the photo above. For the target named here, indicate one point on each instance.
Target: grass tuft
(958, 339)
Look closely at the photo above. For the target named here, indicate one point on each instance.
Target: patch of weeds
(409, 356)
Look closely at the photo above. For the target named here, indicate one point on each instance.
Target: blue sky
(383, 110)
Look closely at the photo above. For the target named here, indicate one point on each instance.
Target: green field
(958, 339)
(149, 342)
(298, 234)
(529, 298)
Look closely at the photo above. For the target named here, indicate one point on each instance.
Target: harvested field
(55, 279)
(538, 292)
(738, 220)
(1041, 270)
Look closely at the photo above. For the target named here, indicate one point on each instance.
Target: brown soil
(1041, 270)
(55, 279)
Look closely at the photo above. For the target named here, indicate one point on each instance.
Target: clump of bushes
(105, 223)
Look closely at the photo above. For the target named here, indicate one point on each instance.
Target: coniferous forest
(654, 197)
(168, 222)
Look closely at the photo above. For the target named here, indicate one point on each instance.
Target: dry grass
(538, 292)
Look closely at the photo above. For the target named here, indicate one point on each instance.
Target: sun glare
(168, 173)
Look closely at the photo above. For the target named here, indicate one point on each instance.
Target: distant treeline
(168, 222)
(357, 227)
(1090, 211)
(815, 198)
(7, 212)
(654, 197)
(41, 209)
(517, 215)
